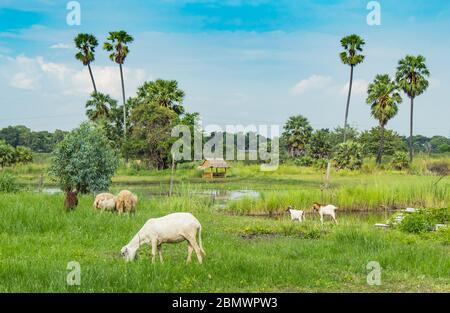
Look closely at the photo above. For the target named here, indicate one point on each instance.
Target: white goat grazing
(296, 215)
(325, 210)
(171, 228)
(107, 205)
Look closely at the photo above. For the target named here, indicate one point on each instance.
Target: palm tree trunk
(380, 150)
(124, 115)
(411, 121)
(348, 103)
(92, 78)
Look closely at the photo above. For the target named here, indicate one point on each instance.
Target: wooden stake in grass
(171, 176)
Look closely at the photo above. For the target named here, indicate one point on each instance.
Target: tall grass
(350, 198)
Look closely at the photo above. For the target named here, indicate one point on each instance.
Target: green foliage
(304, 161)
(352, 45)
(151, 138)
(117, 44)
(444, 148)
(370, 139)
(320, 146)
(424, 220)
(86, 44)
(164, 93)
(42, 141)
(337, 135)
(8, 182)
(400, 160)
(23, 155)
(412, 74)
(83, 161)
(297, 133)
(7, 154)
(349, 155)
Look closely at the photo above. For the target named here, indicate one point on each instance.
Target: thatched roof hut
(211, 168)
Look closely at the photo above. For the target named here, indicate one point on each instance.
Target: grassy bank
(38, 239)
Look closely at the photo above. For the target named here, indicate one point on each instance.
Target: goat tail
(200, 240)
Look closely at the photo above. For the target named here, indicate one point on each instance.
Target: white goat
(325, 210)
(296, 215)
(107, 205)
(171, 228)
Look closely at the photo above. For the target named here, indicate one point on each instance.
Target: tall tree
(117, 44)
(164, 93)
(352, 45)
(99, 106)
(383, 96)
(86, 44)
(411, 76)
(297, 132)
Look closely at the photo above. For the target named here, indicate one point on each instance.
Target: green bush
(304, 161)
(424, 220)
(8, 182)
(349, 155)
(400, 160)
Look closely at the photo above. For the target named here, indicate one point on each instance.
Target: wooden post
(171, 176)
(327, 179)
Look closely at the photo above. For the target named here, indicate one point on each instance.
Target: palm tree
(352, 45)
(383, 96)
(117, 44)
(99, 106)
(164, 93)
(86, 43)
(411, 77)
(297, 133)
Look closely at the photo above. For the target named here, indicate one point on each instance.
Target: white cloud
(23, 81)
(314, 82)
(359, 87)
(60, 46)
(60, 79)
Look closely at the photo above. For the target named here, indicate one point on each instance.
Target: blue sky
(239, 62)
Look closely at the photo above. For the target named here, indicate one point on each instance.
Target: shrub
(400, 160)
(304, 161)
(439, 168)
(83, 162)
(349, 155)
(416, 223)
(8, 182)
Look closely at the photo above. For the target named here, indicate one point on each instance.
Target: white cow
(296, 215)
(325, 210)
(171, 228)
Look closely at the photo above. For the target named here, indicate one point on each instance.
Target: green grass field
(244, 253)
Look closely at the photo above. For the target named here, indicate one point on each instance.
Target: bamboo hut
(214, 168)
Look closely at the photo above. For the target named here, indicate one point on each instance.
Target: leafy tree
(438, 141)
(320, 146)
(337, 135)
(400, 160)
(352, 45)
(83, 162)
(99, 106)
(86, 44)
(297, 132)
(151, 136)
(23, 155)
(16, 135)
(117, 44)
(164, 93)
(444, 148)
(412, 76)
(349, 155)
(383, 98)
(7, 154)
(370, 139)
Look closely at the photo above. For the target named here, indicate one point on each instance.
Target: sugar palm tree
(352, 45)
(117, 44)
(99, 106)
(86, 44)
(297, 133)
(383, 96)
(164, 93)
(411, 76)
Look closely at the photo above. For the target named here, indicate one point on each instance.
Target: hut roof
(214, 163)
